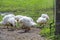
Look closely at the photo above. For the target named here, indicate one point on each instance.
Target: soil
(33, 34)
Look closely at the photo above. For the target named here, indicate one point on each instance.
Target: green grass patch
(16, 5)
(45, 32)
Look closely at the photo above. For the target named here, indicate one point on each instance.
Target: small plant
(46, 32)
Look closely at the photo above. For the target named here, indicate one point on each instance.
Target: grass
(45, 32)
(24, 5)
(27, 7)
(31, 8)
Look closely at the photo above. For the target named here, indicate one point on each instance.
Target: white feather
(45, 16)
(17, 17)
(9, 19)
(41, 20)
(27, 21)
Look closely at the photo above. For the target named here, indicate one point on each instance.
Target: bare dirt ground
(33, 34)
